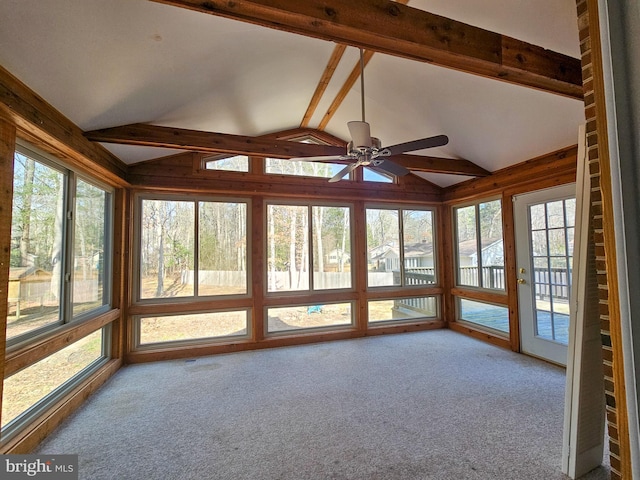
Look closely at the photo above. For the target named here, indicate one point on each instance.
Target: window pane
(383, 242)
(167, 249)
(37, 238)
(29, 386)
(555, 214)
(402, 309)
(222, 236)
(239, 163)
(301, 168)
(90, 248)
(308, 317)
(192, 326)
(491, 244)
(369, 175)
(331, 248)
(288, 244)
(419, 263)
(467, 246)
(492, 316)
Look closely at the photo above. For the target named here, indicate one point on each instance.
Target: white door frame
(531, 343)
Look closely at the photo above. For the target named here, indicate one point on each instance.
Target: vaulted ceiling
(108, 64)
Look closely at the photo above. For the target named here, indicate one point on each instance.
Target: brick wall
(597, 155)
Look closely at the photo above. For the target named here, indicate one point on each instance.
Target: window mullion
(67, 247)
(196, 249)
(401, 246)
(479, 245)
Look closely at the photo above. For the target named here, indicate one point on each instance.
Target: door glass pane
(288, 245)
(555, 214)
(383, 243)
(167, 249)
(419, 263)
(331, 248)
(37, 238)
(552, 248)
(222, 249)
(467, 251)
(90, 248)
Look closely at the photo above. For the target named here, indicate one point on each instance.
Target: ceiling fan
(365, 150)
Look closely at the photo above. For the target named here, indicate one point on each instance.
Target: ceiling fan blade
(360, 134)
(392, 168)
(345, 171)
(421, 144)
(322, 158)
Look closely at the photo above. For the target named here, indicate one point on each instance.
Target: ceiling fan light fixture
(360, 134)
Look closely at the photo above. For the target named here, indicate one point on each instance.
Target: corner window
(480, 246)
(60, 246)
(400, 247)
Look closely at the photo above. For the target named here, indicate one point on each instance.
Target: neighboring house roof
(21, 273)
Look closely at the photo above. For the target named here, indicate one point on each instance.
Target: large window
(60, 246)
(192, 248)
(308, 238)
(35, 388)
(479, 245)
(400, 247)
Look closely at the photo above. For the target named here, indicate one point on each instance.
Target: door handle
(522, 281)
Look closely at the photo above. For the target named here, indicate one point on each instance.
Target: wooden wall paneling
(510, 267)
(258, 265)
(119, 298)
(48, 128)
(234, 183)
(552, 169)
(360, 266)
(446, 265)
(7, 150)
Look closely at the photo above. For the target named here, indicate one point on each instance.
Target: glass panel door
(544, 248)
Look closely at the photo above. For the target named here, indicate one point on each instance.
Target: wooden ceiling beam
(208, 142)
(344, 90)
(198, 141)
(327, 75)
(390, 27)
(453, 166)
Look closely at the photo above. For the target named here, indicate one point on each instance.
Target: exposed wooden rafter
(396, 29)
(208, 142)
(329, 70)
(346, 88)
